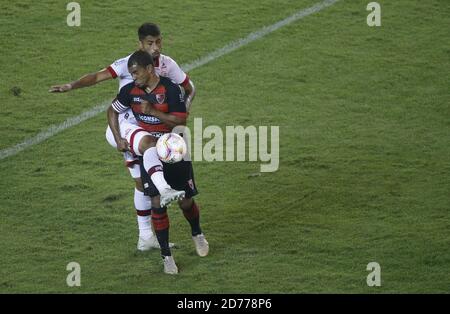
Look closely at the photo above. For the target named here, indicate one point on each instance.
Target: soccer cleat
(151, 243)
(169, 265)
(169, 195)
(201, 245)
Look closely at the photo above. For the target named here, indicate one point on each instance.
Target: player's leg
(143, 144)
(147, 239)
(160, 221)
(150, 195)
(191, 212)
(181, 177)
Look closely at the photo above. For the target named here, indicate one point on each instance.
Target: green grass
(364, 155)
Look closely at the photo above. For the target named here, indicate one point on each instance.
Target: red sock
(160, 222)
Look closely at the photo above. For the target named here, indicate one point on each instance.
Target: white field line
(70, 122)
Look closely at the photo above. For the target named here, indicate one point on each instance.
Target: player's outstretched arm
(84, 81)
(190, 92)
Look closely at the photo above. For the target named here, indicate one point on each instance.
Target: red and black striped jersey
(166, 97)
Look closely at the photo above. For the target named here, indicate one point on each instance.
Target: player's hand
(60, 88)
(147, 107)
(122, 145)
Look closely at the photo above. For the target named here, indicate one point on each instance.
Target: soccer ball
(171, 148)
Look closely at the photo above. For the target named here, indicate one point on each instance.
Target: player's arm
(171, 119)
(189, 90)
(177, 110)
(113, 121)
(84, 81)
(177, 75)
(120, 104)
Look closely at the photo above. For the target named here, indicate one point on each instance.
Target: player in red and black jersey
(149, 39)
(158, 106)
(157, 110)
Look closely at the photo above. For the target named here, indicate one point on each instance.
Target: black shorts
(180, 176)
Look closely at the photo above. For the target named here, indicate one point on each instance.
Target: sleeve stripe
(118, 106)
(111, 70)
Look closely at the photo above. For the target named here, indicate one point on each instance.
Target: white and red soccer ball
(171, 148)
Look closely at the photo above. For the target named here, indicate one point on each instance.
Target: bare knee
(185, 203)
(138, 184)
(146, 142)
(156, 201)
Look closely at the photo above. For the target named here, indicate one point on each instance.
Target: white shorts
(133, 133)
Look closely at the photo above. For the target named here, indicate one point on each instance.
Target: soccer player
(150, 40)
(158, 106)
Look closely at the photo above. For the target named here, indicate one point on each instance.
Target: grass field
(364, 116)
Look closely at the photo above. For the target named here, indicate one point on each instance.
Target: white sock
(145, 227)
(143, 203)
(151, 161)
